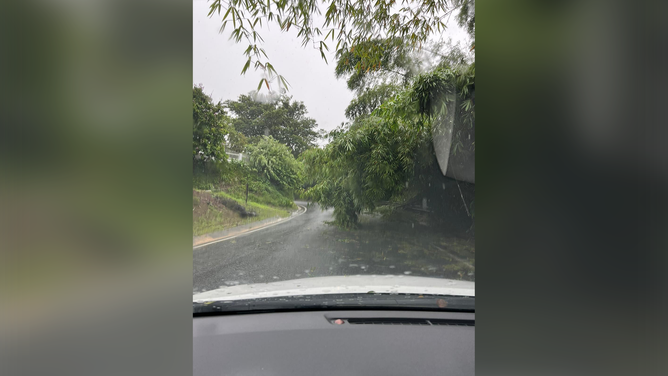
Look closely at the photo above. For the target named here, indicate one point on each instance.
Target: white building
(234, 155)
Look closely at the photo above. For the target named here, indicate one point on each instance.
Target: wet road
(306, 246)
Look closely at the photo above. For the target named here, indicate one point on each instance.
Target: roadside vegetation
(219, 211)
(383, 158)
(228, 193)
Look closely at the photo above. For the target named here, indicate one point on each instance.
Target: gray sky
(217, 64)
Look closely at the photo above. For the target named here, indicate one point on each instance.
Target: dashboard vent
(404, 321)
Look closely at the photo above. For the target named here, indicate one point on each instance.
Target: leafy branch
(346, 23)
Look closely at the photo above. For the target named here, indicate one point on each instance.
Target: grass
(232, 179)
(215, 220)
(228, 180)
(261, 193)
(219, 217)
(263, 211)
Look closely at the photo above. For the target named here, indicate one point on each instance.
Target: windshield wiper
(368, 301)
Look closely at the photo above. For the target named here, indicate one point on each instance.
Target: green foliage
(388, 146)
(237, 140)
(233, 177)
(262, 210)
(210, 125)
(434, 90)
(273, 173)
(394, 64)
(430, 93)
(262, 192)
(345, 23)
(466, 16)
(379, 156)
(282, 119)
(366, 164)
(329, 187)
(219, 218)
(274, 162)
(397, 69)
(370, 99)
(208, 175)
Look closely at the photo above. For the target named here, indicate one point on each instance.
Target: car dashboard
(335, 342)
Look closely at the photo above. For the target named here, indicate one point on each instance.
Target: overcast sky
(217, 64)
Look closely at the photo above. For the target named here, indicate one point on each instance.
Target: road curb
(219, 236)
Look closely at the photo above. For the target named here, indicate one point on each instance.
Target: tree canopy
(397, 69)
(466, 18)
(370, 99)
(210, 126)
(383, 156)
(283, 119)
(395, 64)
(274, 161)
(345, 24)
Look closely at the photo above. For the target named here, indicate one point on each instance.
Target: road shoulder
(218, 236)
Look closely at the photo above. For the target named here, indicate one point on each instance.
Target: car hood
(397, 284)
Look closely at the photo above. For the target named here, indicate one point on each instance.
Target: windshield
(333, 152)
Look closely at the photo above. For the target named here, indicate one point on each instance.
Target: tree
(274, 162)
(345, 23)
(395, 64)
(396, 69)
(236, 140)
(210, 126)
(386, 154)
(466, 17)
(370, 99)
(388, 147)
(382, 157)
(282, 119)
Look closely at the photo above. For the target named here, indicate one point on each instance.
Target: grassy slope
(259, 194)
(263, 211)
(229, 181)
(210, 216)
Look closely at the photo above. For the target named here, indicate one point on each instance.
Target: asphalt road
(306, 246)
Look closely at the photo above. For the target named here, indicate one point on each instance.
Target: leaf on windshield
(441, 303)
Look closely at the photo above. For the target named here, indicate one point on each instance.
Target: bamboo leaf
(243, 71)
